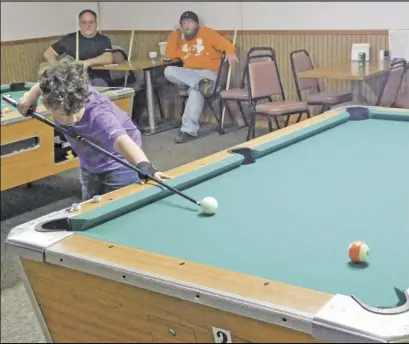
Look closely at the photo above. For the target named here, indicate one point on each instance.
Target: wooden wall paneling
(20, 59)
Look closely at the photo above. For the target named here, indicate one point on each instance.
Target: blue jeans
(94, 184)
(98, 82)
(185, 77)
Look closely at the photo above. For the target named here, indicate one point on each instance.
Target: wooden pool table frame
(86, 290)
(39, 162)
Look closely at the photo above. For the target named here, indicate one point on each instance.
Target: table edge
(136, 65)
(113, 93)
(322, 73)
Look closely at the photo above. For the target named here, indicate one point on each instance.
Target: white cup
(381, 55)
(153, 55)
(162, 48)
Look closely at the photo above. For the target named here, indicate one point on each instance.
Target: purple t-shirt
(103, 122)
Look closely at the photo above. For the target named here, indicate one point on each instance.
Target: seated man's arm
(173, 49)
(50, 54)
(106, 54)
(221, 43)
(103, 59)
(56, 49)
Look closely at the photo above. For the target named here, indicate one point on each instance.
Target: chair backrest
(300, 62)
(118, 56)
(391, 85)
(256, 54)
(222, 75)
(264, 80)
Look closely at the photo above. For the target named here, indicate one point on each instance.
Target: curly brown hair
(64, 84)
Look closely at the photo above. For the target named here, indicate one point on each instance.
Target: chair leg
(323, 108)
(252, 126)
(156, 92)
(246, 122)
(308, 114)
(209, 103)
(221, 127)
(299, 117)
(270, 124)
(229, 112)
(276, 122)
(224, 104)
(287, 121)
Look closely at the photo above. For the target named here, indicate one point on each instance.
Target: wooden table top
(348, 71)
(136, 65)
(112, 93)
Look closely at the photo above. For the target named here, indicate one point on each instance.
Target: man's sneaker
(183, 137)
(206, 86)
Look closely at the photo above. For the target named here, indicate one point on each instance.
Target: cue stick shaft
(84, 141)
(228, 79)
(99, 16)
(129, 57)
(130, 46)
(77, 54)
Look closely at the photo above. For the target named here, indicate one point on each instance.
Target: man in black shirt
(94, 49)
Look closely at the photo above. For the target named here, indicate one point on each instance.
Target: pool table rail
(26, 241)
(171, 279)
(132, 197)
(321, 315)
(218, 157)
(269, 301)
(124, 205)
(402, 308)
(345, 320)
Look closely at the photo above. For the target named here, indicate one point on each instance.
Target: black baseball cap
(189, 15)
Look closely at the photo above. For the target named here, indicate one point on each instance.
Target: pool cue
(228, 80)
(129, 56)
(77, 43)
(130, 46)
(99, 16)
(84, 141)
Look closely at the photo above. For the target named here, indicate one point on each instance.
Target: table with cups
(147, 65)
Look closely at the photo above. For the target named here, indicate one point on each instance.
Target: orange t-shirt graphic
(201, 52)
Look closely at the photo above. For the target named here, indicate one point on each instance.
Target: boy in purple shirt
(78, 107)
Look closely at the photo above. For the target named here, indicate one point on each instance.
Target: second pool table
(30, 149)
(271, 265)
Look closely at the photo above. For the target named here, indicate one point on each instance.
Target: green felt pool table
(29, 149)
(272, 265)
(17, 91)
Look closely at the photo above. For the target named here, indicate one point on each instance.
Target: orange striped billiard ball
(358, 252)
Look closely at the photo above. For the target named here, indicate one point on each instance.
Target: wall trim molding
(225, 32)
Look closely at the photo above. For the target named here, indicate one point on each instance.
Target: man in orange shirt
(200, 48)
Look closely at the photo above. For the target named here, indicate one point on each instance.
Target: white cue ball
(209, 205)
